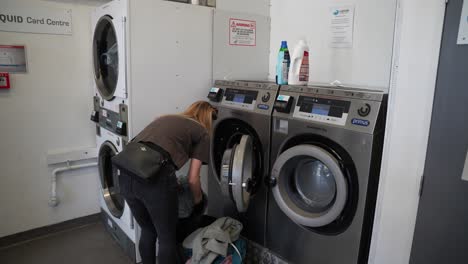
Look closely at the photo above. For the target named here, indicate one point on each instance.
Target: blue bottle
(283, 63)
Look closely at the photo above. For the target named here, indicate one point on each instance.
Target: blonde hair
(202, 112)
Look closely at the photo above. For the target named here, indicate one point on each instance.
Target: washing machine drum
(311, 188)
(236, 173)
(105, 57)
(109, 177)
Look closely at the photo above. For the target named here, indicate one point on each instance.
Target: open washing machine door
(109, 177)
(236, 177)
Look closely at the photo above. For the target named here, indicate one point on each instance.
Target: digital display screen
(323, 106)
(321, 109)
(214, 90)
(283, 98)
(239, 98)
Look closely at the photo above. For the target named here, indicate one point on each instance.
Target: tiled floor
(90, 244)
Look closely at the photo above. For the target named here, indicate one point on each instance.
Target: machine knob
(272, 181)
(266, 97)
(364, 110)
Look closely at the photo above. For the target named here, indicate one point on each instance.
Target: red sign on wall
(4, 80)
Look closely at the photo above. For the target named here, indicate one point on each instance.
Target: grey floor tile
(90, 244)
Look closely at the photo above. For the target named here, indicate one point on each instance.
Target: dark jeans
(154, 206)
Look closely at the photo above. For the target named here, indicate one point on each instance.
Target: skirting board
(14, 239)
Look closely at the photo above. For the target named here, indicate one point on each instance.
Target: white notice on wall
(36, 20)
(13, 59)
(341, 26)
(463, 29)
(242, 32)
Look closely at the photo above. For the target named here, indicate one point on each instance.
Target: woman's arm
(194, 180)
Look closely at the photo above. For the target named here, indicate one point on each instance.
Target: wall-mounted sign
(12, 59)
(342, 26)
(242, 32)
(4, 80)
(463, 29)
(36, 20)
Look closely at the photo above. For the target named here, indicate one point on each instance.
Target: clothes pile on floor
(218, 243)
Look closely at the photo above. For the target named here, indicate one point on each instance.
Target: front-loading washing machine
(326, 155)
(240, 156)
(109, 54)
(115, 212)
(111, 114)
(138, 47)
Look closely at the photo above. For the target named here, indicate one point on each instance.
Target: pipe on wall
(53, 199)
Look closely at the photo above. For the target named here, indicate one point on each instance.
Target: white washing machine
(138, 49)
(116, 214)
(111, 115)
(109, 54)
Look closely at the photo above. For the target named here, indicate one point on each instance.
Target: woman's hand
(194, 180)
(199, 208)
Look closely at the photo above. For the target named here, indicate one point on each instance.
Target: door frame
(412, 88)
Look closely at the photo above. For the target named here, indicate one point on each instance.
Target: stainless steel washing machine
(240, 153)
(326, 155)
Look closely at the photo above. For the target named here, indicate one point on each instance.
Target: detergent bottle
(282, 65)
(299, 69)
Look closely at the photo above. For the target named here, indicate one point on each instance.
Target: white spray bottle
(299, 69)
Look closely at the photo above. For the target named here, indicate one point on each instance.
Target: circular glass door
(311, 188)
(236, 173)
(105, 57)
(110, 180)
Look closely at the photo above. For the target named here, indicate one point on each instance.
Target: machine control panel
(350, 108)
(240, 98)
(112, 121)
(215, 94)
(323, 110)
(245, 95)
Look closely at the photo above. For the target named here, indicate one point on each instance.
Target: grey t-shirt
(183, 138)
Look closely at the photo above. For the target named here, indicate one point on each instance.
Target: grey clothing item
(185, 196)
(212, 241)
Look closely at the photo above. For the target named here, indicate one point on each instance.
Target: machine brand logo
(263, 106)
(360, 122)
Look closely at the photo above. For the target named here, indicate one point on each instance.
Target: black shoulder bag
(144, 160)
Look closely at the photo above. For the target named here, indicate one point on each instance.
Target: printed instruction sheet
(341, 26)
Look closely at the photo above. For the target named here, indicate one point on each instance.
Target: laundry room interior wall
(47, 109)
(257, 7)
(408, 122)
(367, 64)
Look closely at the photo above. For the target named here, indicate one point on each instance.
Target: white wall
(410, 108)
(368, 63)
(257, 7)
(47, 109)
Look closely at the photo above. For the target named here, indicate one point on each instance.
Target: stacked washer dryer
(111, 115)
(240, 153)
(326, 154)
(138, 47)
